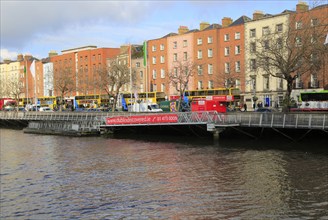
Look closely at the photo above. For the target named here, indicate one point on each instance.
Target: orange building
(310, 27)
(157, 65)
(231, 48)
(206, 52)
(78, 67)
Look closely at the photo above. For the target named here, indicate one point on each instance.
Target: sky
(39, 26)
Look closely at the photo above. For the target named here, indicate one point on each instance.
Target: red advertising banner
(142, 119)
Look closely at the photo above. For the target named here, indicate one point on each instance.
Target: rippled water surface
(51, 177)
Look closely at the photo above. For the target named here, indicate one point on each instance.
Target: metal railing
(243, 119)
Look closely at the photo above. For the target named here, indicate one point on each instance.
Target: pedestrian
(245, 107)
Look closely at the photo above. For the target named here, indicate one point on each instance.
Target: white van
(46, 109)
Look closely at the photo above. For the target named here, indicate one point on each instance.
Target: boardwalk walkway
(101, 120)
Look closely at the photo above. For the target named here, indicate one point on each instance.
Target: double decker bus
(87, 101)
(151, 97)
(47, 101)
(232, 94)
(312, 101)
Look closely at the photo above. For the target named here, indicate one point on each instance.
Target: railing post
(324, 121)
(310, 120)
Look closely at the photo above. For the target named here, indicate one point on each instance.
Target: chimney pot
(257, 15)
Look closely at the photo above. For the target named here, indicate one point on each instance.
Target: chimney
(7, 61)
(20, 57)
(257, 15)
(52, 53)
(183, 29)
(27, 57)
(203, 25)
(302, 7)
(226, 21)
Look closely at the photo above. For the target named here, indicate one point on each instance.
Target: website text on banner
(143, 119)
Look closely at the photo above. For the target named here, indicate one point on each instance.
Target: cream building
(268, 90)
(9, 77)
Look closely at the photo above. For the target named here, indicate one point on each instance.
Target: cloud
(5, 54)
(22, 21)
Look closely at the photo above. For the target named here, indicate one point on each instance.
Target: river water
(52, 177)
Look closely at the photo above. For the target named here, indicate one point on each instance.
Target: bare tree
(295, 53)
(64, 83)
(180, 76)
(112, 78)
(15, 89)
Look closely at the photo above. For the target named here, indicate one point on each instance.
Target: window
(237, 66)
(279, 28)
(237, 49)
(175, 57)
(253, 47)
(154, 87)
(298, 82)
(153, 48)
(209, 40)
(210, 68)
(265, 31)
(266, 45)
(199, 41)
(298, 41)
(162, 73)
(200, 69)
(199, 54)
(185, 43)
(154, 60)
(162, 59)
(154, 74)
(141, 74)
(185, 56)
(279, 43)
(209, 53)
(161, 47)
(252, 33)
(227, 67)
(237, 35)
(226, 51)
(210, 84)
(137, 64)
(314, 81)
(175, 71)
(226, 37)
(237, 83)
(298, 25)
(266, 82)
(314, 22)
(253, 83)
(253, 64)
(200, 84)
(280, 83)
(175, 45)
(162, 87)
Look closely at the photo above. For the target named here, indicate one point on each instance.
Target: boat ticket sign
(142, 119)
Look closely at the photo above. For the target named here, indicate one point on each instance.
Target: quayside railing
(242, 119)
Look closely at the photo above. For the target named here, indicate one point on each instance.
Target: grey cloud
(23, 20)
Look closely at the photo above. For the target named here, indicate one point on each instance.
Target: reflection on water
(51, 177)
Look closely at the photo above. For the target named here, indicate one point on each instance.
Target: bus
(232, 94)
(151, 97)
(47, 101)
(87, 101)
(312, 101)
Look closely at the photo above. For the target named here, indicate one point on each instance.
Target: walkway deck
(99, 120)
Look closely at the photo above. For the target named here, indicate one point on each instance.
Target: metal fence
(243, 119)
